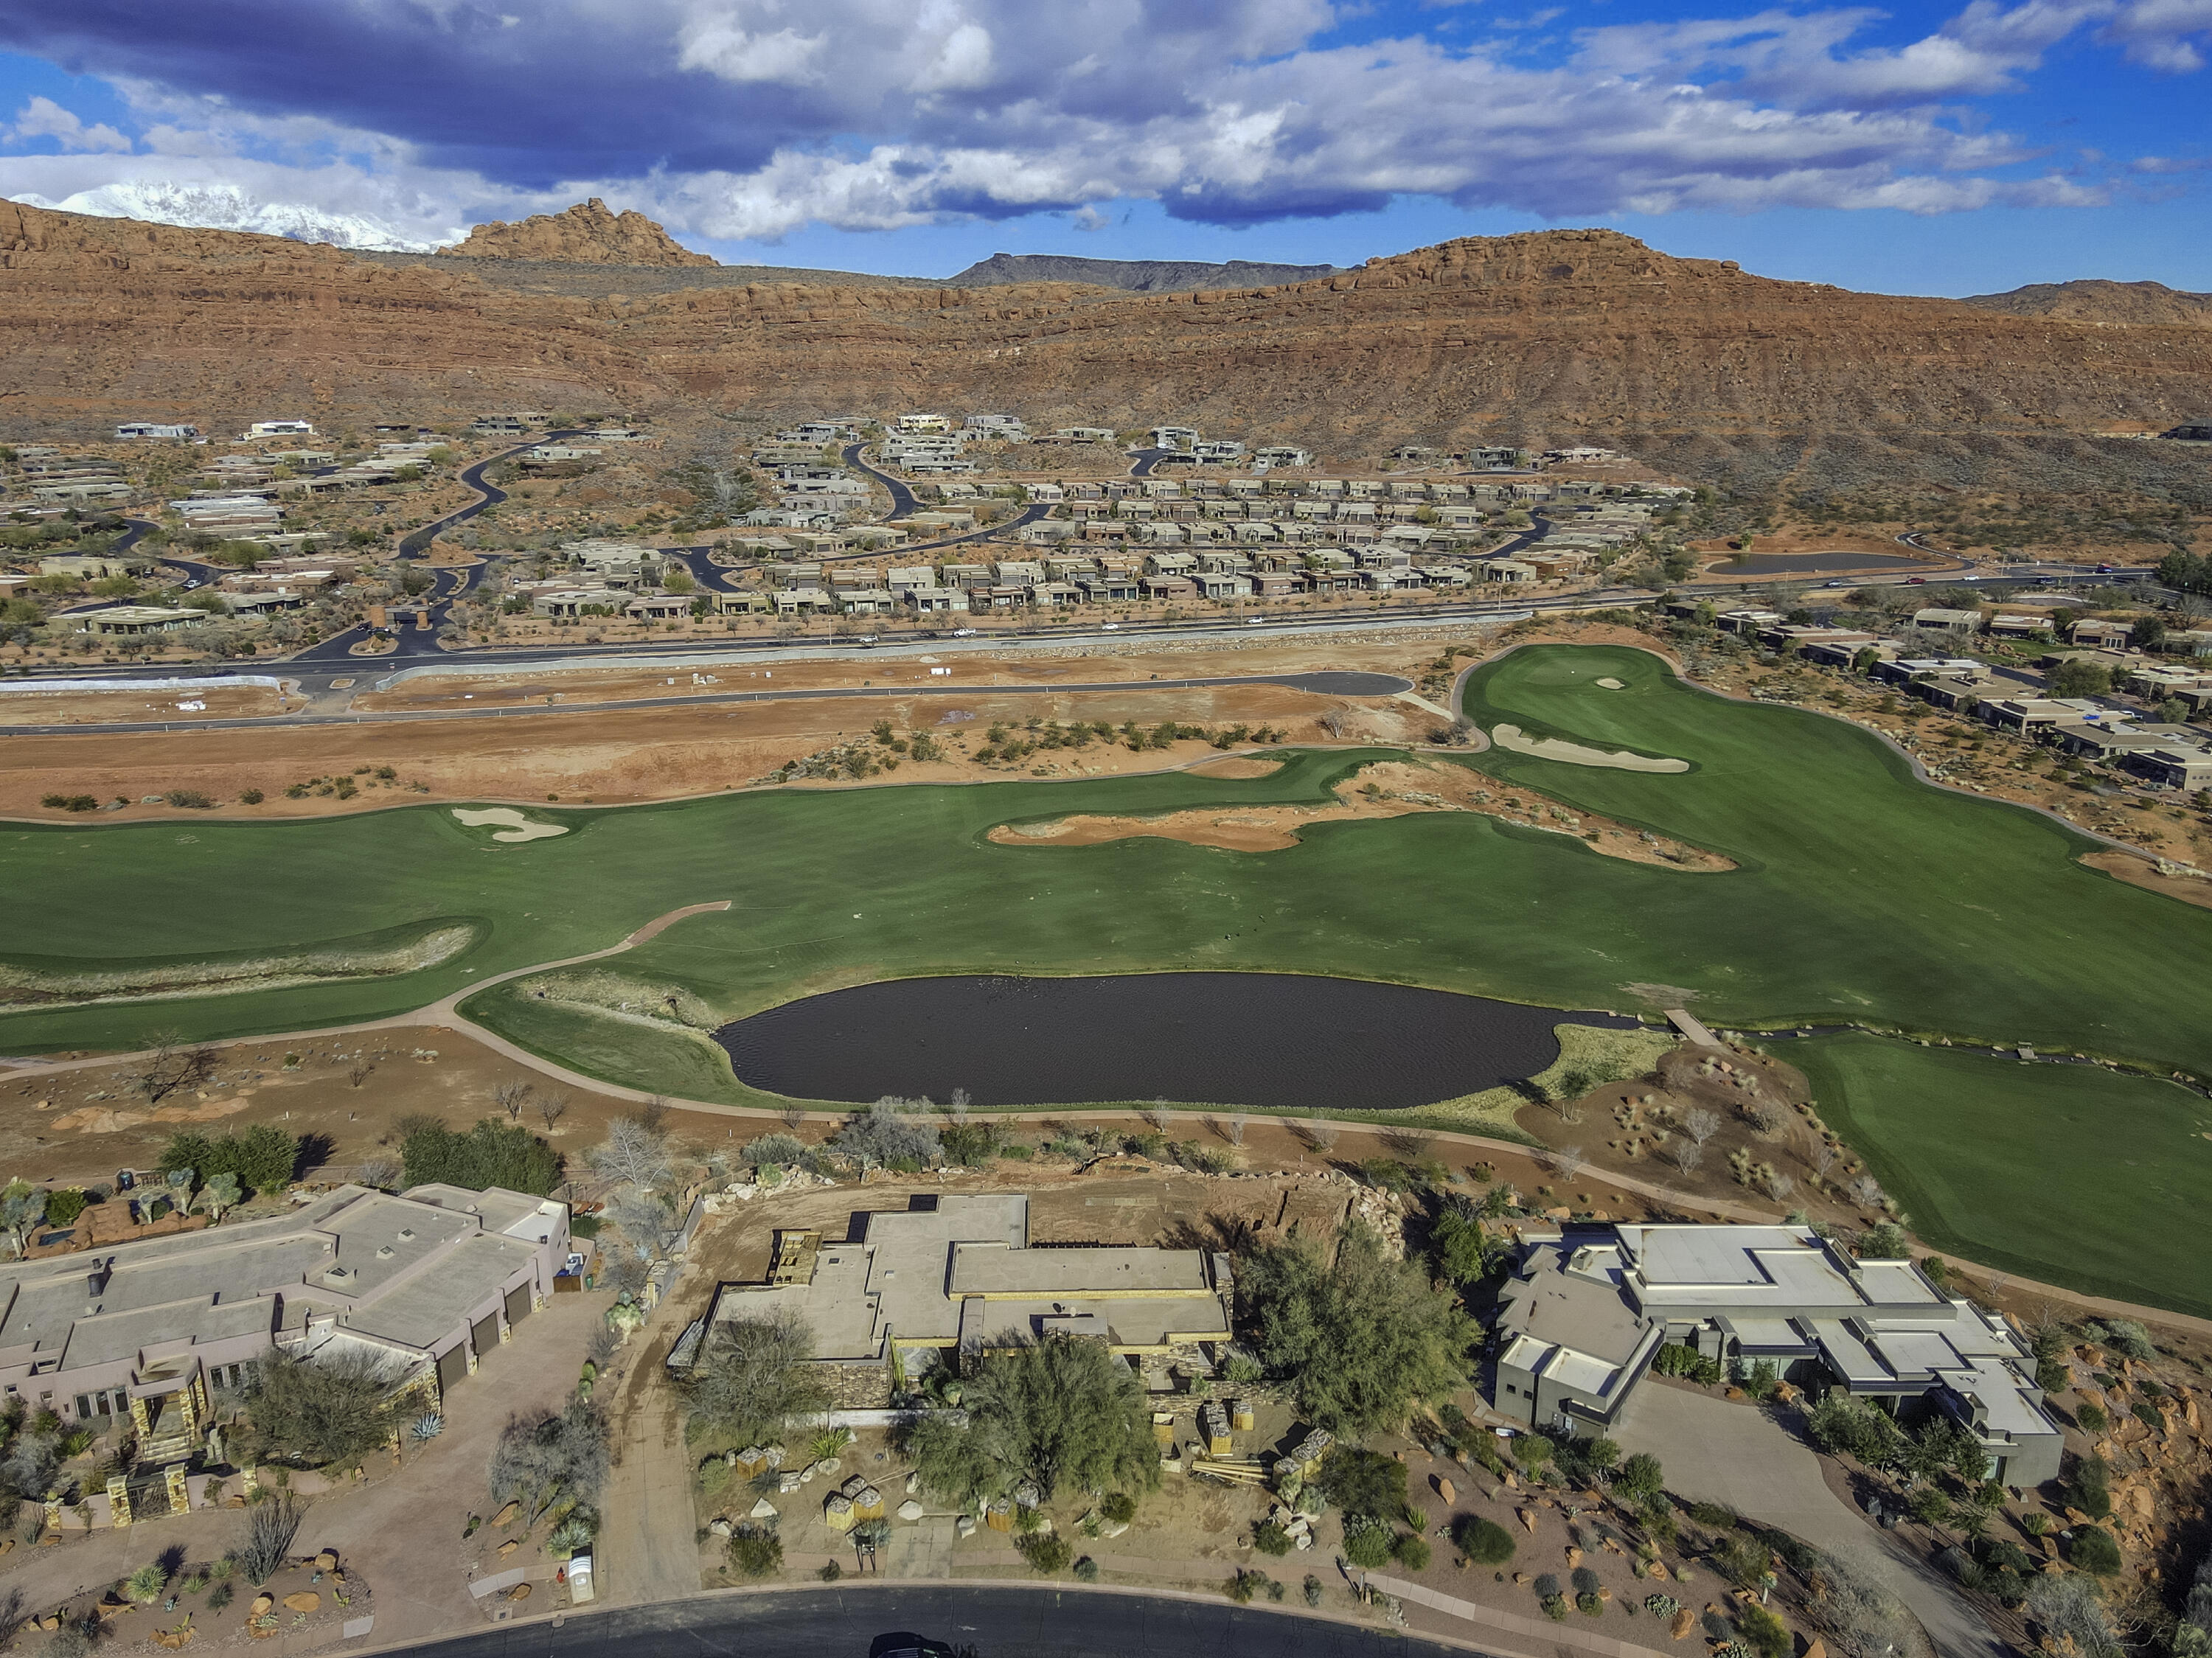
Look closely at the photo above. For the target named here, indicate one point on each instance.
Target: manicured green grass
(1860, 894)
(2073, 1175)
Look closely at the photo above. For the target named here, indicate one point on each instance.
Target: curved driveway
(993, 1621)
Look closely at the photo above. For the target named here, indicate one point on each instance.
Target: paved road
(1322, 684)
(904, 500)
(993, 1621)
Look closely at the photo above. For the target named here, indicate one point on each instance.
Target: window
(84, 1405)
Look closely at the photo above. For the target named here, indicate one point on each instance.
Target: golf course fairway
(1859, 895)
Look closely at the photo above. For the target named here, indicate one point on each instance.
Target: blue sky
(1936, 149)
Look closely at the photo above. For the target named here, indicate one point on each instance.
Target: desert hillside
(589, 233)
(2133, 304)
(1545, 337)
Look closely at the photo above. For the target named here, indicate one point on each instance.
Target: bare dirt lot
(620, 755)
(28, 707)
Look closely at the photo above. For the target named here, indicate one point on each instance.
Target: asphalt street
(873, 1621)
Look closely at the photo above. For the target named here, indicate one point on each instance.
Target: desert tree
(1363, 1337)
(1821, 1153)
(754, 1378)
(319, 1409)
(22, 1206)
(1318, 1132)
(1565, 1161)
(1866, 1192)
(511, 1095)
(1700, 1124)
(794, 1115)
(634, 1152)
(552, 1106)
(1778, 1185)
(1687, 1154)
(1062, 1410)
(384, 1173)
(1233, 1129)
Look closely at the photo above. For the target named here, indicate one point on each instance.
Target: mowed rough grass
(2070, 1174)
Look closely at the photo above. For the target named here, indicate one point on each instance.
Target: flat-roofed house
(1590, 1306)
(159, 1331)
(961, 1278)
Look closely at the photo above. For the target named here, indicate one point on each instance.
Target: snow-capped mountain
(226, 207)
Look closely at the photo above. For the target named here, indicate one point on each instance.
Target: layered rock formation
(586, 233)
(2133, 304)
(1545, 337)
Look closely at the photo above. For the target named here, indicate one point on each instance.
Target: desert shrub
(1087, 1570)
(270, 1528)
(1367, 1540)
(2090, 1488)
(1590, 1605)
(1245, 1584)
(755, 1552)
(1485, 1542)
(1313, 1589)
(1677, 1359)
(2093, 1551)
(1119, 1507)
(65, 1205)
(883, 1134)
(1046, 1551)
(1546, 1586)
(550, 1459)
(2092, 1418)
(1555, 1608)
(970, 1145)
(1363, 1483)
(492, 1153)
(1641, 1478)
(2126, 1337)
(145, 1584)
(1410, 1552)
(782, 1150)
(1763, 1633)
(1271, 1539)
(2073, 1617)
(1661, 1606)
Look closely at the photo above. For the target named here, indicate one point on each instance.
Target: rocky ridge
(589, 233)
(1543, 337)
(1133, 275)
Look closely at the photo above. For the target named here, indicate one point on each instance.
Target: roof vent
(386, 1253)
(406, 1234)
(337, 1271)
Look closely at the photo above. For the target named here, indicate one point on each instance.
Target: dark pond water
(1271, 1040)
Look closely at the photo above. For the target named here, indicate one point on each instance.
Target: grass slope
(2070, 1173)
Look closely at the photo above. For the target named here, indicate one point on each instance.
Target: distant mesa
(1134, 276)
(2140, 305)
(586, 233)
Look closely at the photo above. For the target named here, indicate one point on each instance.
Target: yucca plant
(570, 1535)
(145, 1585)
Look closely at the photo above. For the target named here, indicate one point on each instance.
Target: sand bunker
(518, 828)
(1237, 766)
(1512, 738)
(1401, 787)
(1612, 685)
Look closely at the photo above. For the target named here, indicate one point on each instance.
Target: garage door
(518, 1305)
(484, 1332)
(452, 1365)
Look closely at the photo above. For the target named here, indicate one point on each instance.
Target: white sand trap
(517, 827)
(1612, 685)
(1574, 753)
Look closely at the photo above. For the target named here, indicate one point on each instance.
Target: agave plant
(571, 1534)
(145, 1584)
(427, 1426)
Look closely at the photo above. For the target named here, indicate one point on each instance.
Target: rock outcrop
(586, 233)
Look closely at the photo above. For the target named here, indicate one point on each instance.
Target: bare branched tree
(956, 1107)
(172, 1065)
(384, 1173)
(1767, 1117)
(1866, 1192)
(1700, 1126)
(1157, 1113)
(634, 1153)
(794, 1115)
(653, 1114)
(552, 1106)
(361, 1073)
(1565, 1161)
(1318, 1132)
(510, 1096)
(1687, 1154)
(1233, 1130)
(1778, 1186)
